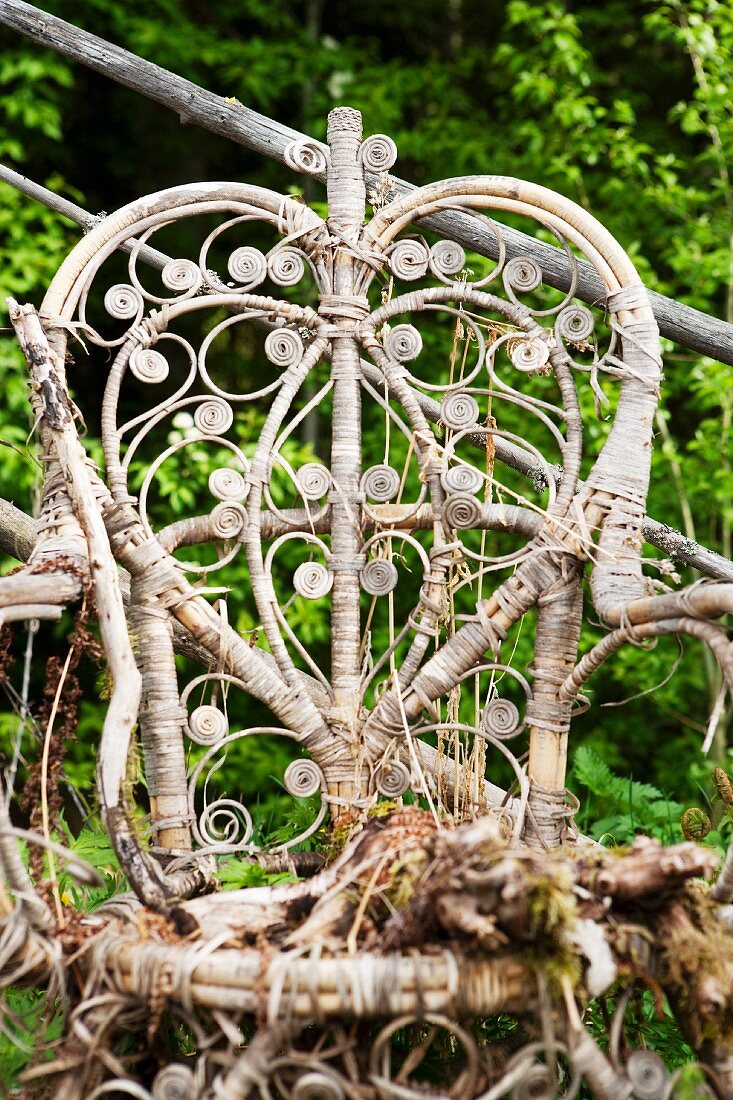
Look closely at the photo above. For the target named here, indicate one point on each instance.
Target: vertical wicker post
(556, 646)
(161, 722)
(346, 203)
(559, 617)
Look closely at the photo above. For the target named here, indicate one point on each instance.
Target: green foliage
(33, 241)
(646, 1025)
(31, 1024)
(235, 874)
(30, 98)
(622, 806)
(295, 816)
(92, 845)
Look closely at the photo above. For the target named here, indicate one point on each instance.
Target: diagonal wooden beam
(75, 213)
(688, 327)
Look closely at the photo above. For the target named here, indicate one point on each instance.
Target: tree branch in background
(232, 120)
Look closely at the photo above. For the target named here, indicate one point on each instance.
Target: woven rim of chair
(290, 985)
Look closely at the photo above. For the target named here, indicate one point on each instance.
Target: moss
(382, 809)
(556, 967)
(619, 851)
(551, 900)
(134, 773)
(339, 838)
(405, 875)
(552, 908)
(697, 964)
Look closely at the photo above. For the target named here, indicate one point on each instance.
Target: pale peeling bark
(58, 418)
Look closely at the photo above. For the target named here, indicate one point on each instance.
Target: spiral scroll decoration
(379, 577)
(409, 260)
(314, 480)
(392, 779)
(174, 1082)
(524, 1077)
(213, 416)
(316, 1086)
(378, 153)
(501, 719)
(284, 348)
(149, 366)
(247, 265)
(123, 302)
(228, 519)
(380, 483)
(462, 479)
(227, 484)
(575, 325)
(181, 276)
(286, 266)
(537, 1084)
(313, 1080)
(207, 725)
(403, 343)
(648, 1075)
(303, 778)
(306, 156)
(459, 410)
(522, 275)
(530, 356)
(312, 580)
(461, 511)
(225, 823)
(447, 258)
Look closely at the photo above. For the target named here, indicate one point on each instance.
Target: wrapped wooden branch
(18, 531)
(696, 968)
(467, 882)
(650, 870)
(358, 987)
(54, 546)
(58, 417)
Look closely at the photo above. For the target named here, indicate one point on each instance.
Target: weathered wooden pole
(233, 120)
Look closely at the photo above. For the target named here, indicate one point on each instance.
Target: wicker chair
(480, 548)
